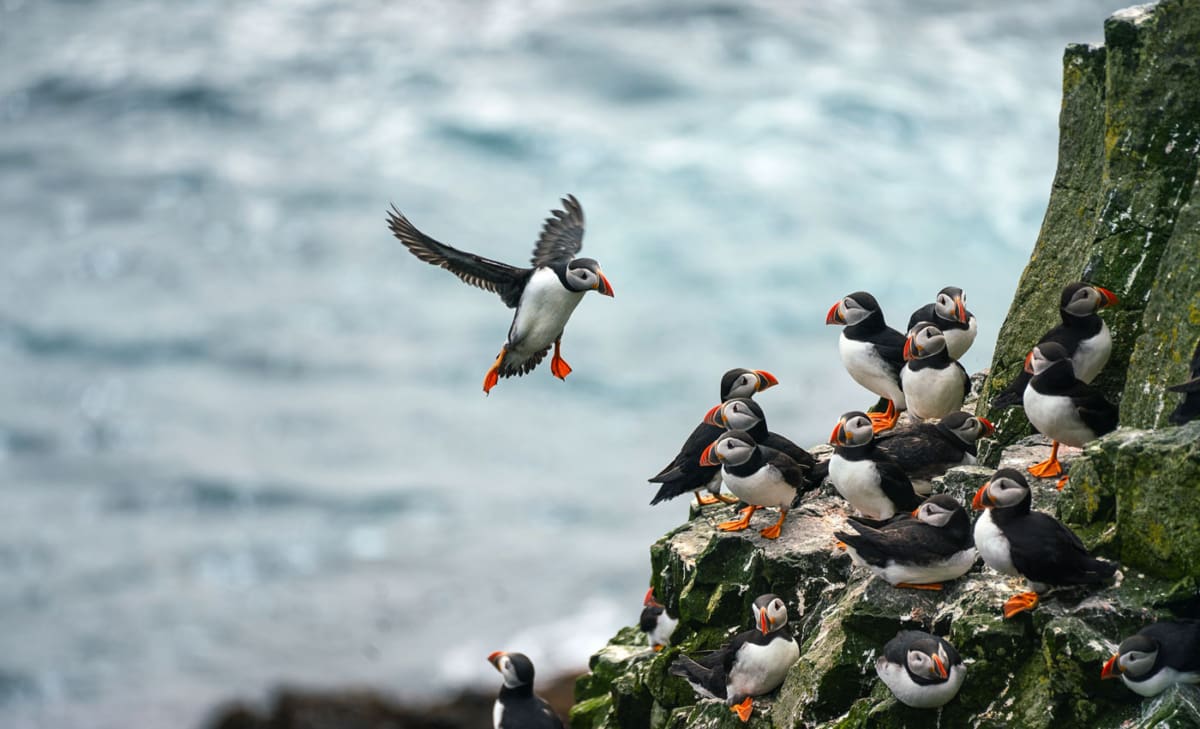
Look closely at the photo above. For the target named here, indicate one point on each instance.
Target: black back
(1178, 646)
(1097, 413)
(893, 481)
(896, 652)
(908, 540)
(926, 449)
(649, 618)
(524, 710)
(874, 329)
(1044, 550)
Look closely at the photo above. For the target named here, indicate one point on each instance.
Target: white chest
(497, 714)
(1056, 417)
(932, 392)
(993, 545)
(858, 483)
(545, 307)
(760, 669)
(1092, 355)
(916, 695)
(661, 635)
(870, 370)
(764, 487)
(1160, 681)
(958, 341)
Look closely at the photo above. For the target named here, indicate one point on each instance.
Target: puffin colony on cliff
(872, 352)
(544, 295)
(757, 475)
(934, 384)
(1159, 656)
(751, 664)
(867, 478)
(517, 707)
(921, 670)
(949, 314)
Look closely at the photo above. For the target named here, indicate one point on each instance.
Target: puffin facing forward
(873, 483)
(949, 313)
(934, 384)
(656, 623)
(1157, 657)
(921, 670)
(544, 295)
(872, 352)
(517, 707)
(758, 475)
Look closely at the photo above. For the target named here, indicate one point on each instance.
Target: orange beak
(908, 355)
(914, 512)
(707, 458)
(1109, 297)
(834, 316)
(765, 379)
(982, 500)
(991, 429)
(838, 434)
(961, 308)
(495, 657)
(1111, 669)
(1029, 362)
(715, 417)
(649, 599)
(763, 622)
(941, 667)
(605, 287)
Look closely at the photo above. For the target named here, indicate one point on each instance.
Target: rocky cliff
(1121, 214)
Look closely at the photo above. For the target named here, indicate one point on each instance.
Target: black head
(941, 510)
(770, 614)
(734, 448)
(740, 382)
(924, 340)
(515, 668)
(740, 413)
(1137, 656)
(966, 427)
(1046, 355)
(853, 430)
(1080, 299)
(854, 308)
(925, 661)
(584, 274)
(951, 303)
(1007, 490)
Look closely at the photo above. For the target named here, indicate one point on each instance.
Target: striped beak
(716, 417)
(908, 349)
(1029, 362)
(989, 429)
(495, 657)
(1109, 298)
(983, 499)
(708, 457)
(765, 379)
(764, 623)
(1111, 669)
(961, 309)
(835, 315)
(941, 668)
(603, 286)
(838, 436)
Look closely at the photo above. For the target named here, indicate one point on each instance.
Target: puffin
(921, 670)
(1015, 540)
(872, 352)
(934, 384)
(926, 450)
(743, 413)
(920, 552)
(1082, 333)
(656, 623)
(1189, 409)
(1157, 656)
(757, 475)
(751, 664)
(517, 707)
(949, 313)
(1061, 407)
(684, 474)
(543, 295)
(869, 479)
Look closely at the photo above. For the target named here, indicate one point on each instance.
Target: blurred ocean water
(243, 440)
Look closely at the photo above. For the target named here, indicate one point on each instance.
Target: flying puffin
(1061, 407)
(1014, 540)
(934, 384)
(655, 622)
(1189, 409)
(921, 670)
(684, 474)
(872, 352)
(926, 450)
(949, 313)
(544, 295)
(919, 552)
(743, 413)
(872, 482)
(751, 664)
(517, 707)
(1082, 333)
(1158, 656)
(757, 475)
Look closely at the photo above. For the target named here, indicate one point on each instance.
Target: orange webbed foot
(744, 709)
(558, 366)
(1061, 482)
(493, 373)
(936, 586)
(1046, 469)
(773, 531)
(706, 500)
(738, 525)
(1020, 603)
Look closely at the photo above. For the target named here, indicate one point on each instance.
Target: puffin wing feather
(562, 235)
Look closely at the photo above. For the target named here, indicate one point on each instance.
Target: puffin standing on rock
(1061, 407)
(757, 475)
(873, 483)
(926, 450)
(1157, 657)
(1014, 540)
(742, 413)
(949, 313)
(684, 473)
(921, 670)
(934, 384)
(544, 295)
(872, 352)
(751, 664)
(656, 623)
(517, 707)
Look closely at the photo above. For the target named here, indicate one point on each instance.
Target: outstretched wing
(562, 235)
(500, 278)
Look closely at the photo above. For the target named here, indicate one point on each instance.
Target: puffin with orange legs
(751, 664)
(543, 295)
(1015, 540)
(872, 352)
(757, 475)
(867, 478)
(1061, 407)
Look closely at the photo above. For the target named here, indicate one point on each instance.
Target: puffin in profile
(743, 413)
(684, 474)
(1082, 333)
(1015, 540)
(919, 552)
(872, 352)
(926, 450)
(517, 707)
(871, 481)
(1061, 407)
(934, 384)
(1157, 656)
(656, 623)
(921, 670)
(757, 475)
(543, 295)
(1189, 409)
(949, 313)
(751, 664)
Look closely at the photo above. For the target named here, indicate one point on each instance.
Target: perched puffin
(1189, 409)
(926, 450)
(656, 623)
(684, 474)
(934, 384)
(949, 314)
(742, 413)
(751, 664)
(922, 670)
(1014, 540)
(1159, 655)
(1061, 407)
(1082, 333)
(517, 707)
(544, 295)
(920, 552)
(871, 481)
(757, 475)
(872, 352)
